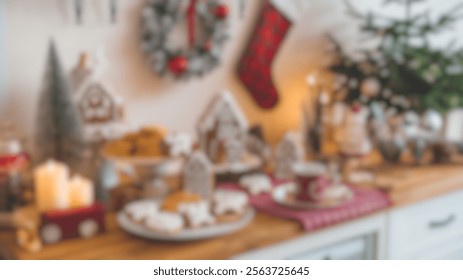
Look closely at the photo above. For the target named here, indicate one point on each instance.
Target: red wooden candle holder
(83, 222)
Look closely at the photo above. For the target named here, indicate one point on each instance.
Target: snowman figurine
(354, 143)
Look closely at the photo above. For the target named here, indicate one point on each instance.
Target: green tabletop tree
(58, 127)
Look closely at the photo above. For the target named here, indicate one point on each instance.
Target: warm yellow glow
(81, 192)
(286, 116)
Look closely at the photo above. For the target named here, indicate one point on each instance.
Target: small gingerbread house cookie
(101, 111)
(288, 152)
(223, 130)
(198, 175)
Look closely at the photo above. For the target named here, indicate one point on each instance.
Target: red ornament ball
(221, 11)
(178, 64)
(207, 46)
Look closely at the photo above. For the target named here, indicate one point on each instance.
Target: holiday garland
(204, 50)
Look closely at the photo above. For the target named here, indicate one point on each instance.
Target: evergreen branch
(353, 11)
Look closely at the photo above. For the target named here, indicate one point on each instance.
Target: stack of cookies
(147, 142)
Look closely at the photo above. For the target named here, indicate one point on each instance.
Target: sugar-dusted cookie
(256, 183)
(165, 222)
(230, 202)
(172, 202)
(138, 211)
(197, 213)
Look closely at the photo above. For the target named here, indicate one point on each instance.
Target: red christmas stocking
(255, 66)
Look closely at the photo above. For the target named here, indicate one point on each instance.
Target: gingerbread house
(223, 130)
(101, 111)
(198, 175)
(288, 152)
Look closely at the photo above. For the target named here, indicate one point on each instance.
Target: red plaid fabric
(366, 201)
(255, 65)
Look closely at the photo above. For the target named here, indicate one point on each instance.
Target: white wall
(3, 64)
(151, 99)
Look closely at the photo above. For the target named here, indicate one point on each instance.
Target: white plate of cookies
(186, 217)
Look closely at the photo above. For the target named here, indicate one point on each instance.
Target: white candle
(51, 186)
(81, 192)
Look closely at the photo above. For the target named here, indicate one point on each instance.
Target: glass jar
(13, 165)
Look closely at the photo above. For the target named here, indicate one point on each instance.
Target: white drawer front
(424, 225)
(350, 249)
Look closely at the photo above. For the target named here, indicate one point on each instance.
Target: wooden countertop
(405, 185)
(117, 244)
(411, 184)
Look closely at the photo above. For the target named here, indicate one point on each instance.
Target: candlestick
(81, 192)
(51, 186)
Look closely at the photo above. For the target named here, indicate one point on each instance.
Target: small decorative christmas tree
(58, 130)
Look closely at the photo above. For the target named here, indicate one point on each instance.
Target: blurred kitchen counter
(265, 230)
(406, 185)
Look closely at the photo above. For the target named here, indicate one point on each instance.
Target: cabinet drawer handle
(443, 223)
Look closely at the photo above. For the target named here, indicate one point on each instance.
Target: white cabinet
(432, 229)
(363, 238)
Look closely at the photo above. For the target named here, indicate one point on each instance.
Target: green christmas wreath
(207, 33)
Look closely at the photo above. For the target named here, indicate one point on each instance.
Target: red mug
(311, 181)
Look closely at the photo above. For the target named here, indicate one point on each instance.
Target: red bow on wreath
(191, 14)
(220, 11)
